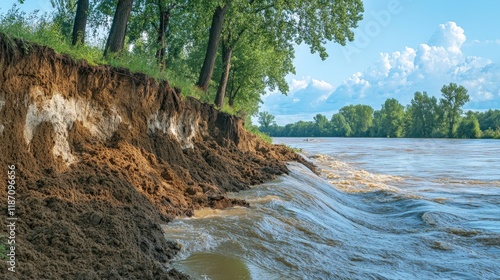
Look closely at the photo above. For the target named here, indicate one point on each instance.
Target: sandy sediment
(104, 156)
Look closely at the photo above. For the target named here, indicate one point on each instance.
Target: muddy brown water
(381, 209)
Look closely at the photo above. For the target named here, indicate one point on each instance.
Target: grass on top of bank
(41, 30)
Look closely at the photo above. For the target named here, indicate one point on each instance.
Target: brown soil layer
(104, 156)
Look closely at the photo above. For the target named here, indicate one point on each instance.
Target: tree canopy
(454, 97)
(233, 50)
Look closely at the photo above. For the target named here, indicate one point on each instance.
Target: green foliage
(491, 134)
(489, 119)
(469, 127)
(359, 117)
(261, 34)
(391, 119)
(255, 130)
(64, 16)
(424, 117)
(42, 30)
(265, 120)
(314, 22)
(339, 125)
(454, 97)
(322, 126)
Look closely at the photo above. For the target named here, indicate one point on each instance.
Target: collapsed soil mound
(104, 156)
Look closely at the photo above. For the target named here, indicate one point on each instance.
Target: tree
(454, 97)
(82, 10)
(423, 115)
(64, 15)
(469, 127)
(265, 121)
(322, 126)
(163, 11)
(489, 119)
(256, 66)
(315, 22)
(375, 130)
(116, 38)
(300, 21)
(339, 125)
(207, 69)
(359, 117)
(391, 119)
(246, 38)
(227, 52)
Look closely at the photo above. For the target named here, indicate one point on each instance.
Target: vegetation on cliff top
(225, 52)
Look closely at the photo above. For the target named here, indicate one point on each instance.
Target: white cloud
(299, 84)
(485, 95)
(307, 95)
(322, 85)
(399, 75)
(450, 36)
(439, 62)
(486, 42)
(296, 85)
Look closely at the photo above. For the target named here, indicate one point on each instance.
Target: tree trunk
(162, 29)
(227, 52)
(452, 124)
(82, 11)
(232, 96)
(116, 37)
(213, 44)
(231, 93)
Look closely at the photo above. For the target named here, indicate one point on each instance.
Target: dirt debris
(104, 156)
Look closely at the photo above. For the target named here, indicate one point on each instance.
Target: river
(380, 209)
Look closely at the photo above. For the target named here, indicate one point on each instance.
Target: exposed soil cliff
(103, 157)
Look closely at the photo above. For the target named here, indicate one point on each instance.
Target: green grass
(297, 150)
(40, 29)
(255, 131)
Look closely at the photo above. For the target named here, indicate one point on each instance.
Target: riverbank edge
(104, 156)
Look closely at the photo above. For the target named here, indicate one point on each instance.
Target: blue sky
(401, 46)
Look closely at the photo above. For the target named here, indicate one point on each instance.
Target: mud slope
(104, 156)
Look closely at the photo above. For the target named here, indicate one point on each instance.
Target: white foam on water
(210, 213)
(263, 200)
(190, 238)
(348, 178)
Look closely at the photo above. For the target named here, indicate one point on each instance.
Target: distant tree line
(424, 117)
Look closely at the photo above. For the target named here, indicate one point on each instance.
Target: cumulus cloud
(296, 85)
(299, 84)
(322, 85)
(449, 36)
(399, 75)
(306, 95)
(428, 67)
